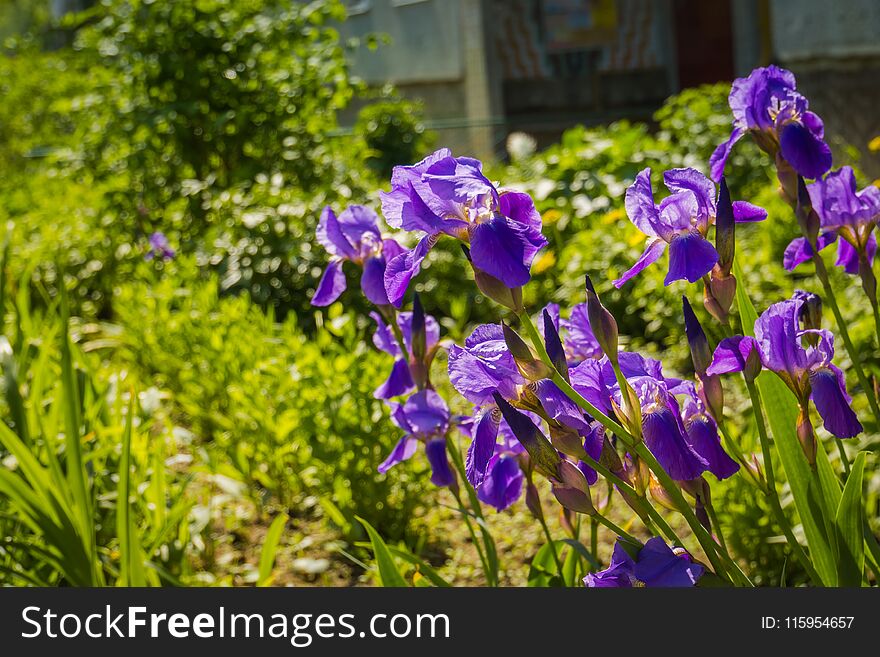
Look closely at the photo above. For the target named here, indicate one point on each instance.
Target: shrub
(296, 418)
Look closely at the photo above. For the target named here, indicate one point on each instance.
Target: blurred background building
(486, 68)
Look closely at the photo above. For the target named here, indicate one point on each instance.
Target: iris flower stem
(482, 550)
(620, 531)
(831, 300)
(772, 495)
(640, 500)
(844, 459)
(552, 544)
(594, 541)
(706, 541)
(713, 518)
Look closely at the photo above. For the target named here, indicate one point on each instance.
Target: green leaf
(131, 568)
(388, 573)
(850, 522)
(542, 571)
(781, 408)
(270, 548)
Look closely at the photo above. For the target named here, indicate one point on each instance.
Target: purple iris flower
(702, 435)
(499, 480)
(656, 565)
(483, 366)
(159, 247)
(663, 426)
(681, 221)
(444, 195)
(354, 236)
(846, 216)
(806, 370)
(424, 417)
(400, 380)
(664, 431)
(767, 105)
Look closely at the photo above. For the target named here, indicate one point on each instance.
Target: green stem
(775, 504)
(639, 499)
(831, 300)
(594, 541)
(487, 572)
(481, 545)
(705, 539)
(844, 459)
(713, 518)
(552, 545)
(620, 531)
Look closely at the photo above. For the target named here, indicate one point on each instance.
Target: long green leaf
(72, 439)
(388, 573)
(782, 411)
(270, 548)
(423, 566)
(850, 522)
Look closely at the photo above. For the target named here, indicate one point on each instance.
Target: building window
(355, 7)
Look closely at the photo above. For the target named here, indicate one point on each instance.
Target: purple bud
(542, 454)
(807, 436)
(701, 354)
(571, 490)
(807, 218)
(419, 335)
(725, 229)
(554, 346)
(602, 323)
(533, 501)
(441, 472)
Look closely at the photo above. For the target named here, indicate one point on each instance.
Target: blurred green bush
(393, 131)
(294, 417)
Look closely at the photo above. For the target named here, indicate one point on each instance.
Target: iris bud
(807, 218)
(710, 389)
(554, 347)
(661, 495)
(529, 365)
(566, 440)
(610, 458)
(806, 436)
(419, 333)
(602, 323)
(571, 490)
(719, 294)
(701, 354)
(811, 309)
(533, 501)
(725, 230)
(543, 456)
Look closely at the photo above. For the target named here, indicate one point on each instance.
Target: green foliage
(294, 417)
(69, 455)
(394, 132)
(212, 92)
